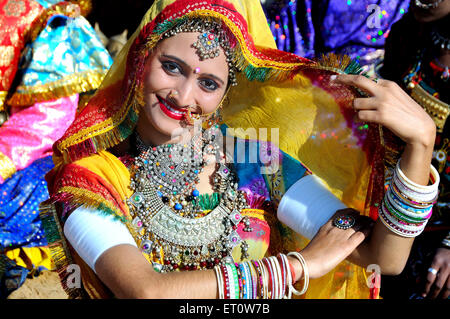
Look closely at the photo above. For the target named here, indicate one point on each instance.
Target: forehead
(181, 46)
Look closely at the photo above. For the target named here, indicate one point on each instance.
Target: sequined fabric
(20, 197)
(30, 133)
(356, 28)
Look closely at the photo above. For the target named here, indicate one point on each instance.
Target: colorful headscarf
(275, 90)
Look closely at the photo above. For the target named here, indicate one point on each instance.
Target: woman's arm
(393, 108)
(126, 272)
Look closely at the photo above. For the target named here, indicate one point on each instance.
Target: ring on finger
(344, 221)
(433, 271)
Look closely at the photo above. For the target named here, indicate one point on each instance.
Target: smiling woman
(172, 88)
(148, 216)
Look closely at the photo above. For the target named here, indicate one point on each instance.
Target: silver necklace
(181, 239)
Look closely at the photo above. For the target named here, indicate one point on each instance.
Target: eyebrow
(186, 65)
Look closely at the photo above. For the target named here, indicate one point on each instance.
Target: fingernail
(333, 77)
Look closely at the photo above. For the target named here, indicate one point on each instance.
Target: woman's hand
(393, 108)
(439, 283)
(331, 245)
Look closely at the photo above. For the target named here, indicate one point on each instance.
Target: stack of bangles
(407, 206)
(267, 278)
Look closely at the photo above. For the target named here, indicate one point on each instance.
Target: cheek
(210, 104)
(156, 79)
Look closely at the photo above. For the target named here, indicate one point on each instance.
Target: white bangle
(305, 273)
(422, 189)
(276, 293)
(219, 281)
(288, 284)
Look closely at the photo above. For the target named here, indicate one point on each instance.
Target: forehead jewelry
(197, 70)
(207, 45)
(212, 37)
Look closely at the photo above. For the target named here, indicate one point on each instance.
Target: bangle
(288, 277)
(283, 272)
(305, 273)
(417, 188)
(397, 227)
(277, 276)
(226, 282)
(265, 278)
(260, 279)
(219, 281)
(235, 282)
(254, 276)
(271, 277)
(246, 281)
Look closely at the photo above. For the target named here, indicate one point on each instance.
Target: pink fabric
(30, 133)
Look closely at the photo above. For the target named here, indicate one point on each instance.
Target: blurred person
(345, 27)
(51, 62)
(418, 58)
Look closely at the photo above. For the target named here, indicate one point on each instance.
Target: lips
(170, 110)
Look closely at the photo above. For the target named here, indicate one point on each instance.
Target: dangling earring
(215, 118)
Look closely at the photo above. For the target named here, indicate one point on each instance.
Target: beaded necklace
(168, 211)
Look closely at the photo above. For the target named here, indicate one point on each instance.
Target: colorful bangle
(254, 276)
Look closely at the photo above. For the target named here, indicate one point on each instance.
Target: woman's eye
(171, 67)
(210, 85)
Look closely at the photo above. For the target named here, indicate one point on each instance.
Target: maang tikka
(212, 37)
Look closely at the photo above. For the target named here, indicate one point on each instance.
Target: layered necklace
(170, 220)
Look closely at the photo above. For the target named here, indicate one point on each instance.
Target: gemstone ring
(344, 221)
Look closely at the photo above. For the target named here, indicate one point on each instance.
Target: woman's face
(176, 80)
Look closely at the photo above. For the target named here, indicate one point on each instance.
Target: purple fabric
(309, 28)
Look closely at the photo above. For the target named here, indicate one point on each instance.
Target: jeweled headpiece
(213, 36)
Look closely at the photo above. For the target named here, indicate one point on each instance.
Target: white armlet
(307, 205)
(91, 234)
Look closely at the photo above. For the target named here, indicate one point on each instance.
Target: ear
(124, 34)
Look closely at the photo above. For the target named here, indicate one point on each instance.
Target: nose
(185, 96)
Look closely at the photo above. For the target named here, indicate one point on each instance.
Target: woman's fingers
(359, 81)
(437, 278)
(446, 289)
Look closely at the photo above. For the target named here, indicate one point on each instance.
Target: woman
(418, 59)
(193, 204)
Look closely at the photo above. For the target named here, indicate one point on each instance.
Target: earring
(215, 118)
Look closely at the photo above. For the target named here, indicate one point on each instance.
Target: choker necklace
(166, 212)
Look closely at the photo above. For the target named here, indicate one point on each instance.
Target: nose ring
(173, 93)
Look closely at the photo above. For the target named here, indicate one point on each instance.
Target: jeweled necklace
(173, 232)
